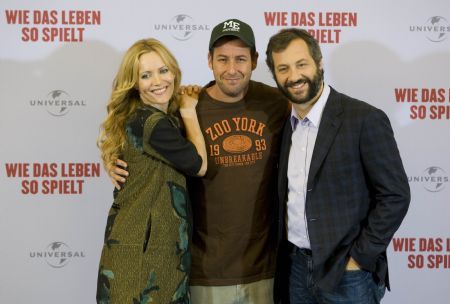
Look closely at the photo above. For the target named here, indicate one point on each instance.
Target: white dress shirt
(304, 134)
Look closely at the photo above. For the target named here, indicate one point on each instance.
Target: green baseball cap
(233, 27)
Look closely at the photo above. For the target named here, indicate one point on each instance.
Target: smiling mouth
(232, 81)
(159, 91)
(297, 85)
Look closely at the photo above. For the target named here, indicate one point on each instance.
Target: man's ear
(254, 61)
(210, 59)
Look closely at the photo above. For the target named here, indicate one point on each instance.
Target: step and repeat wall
(57, 63)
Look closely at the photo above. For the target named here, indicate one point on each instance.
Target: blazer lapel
(329, 125)
(283, 162)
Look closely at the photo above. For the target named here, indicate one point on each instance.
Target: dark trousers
(355, 287)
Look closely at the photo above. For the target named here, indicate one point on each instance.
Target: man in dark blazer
(343, 190)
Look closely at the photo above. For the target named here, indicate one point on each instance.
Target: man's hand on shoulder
(118, 174)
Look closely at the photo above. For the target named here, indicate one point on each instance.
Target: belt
(296, 250)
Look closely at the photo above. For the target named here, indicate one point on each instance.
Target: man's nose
(231, 67)
(294, 75)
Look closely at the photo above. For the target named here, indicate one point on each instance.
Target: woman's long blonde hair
(125, 98)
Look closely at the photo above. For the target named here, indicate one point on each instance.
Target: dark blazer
(357, 192)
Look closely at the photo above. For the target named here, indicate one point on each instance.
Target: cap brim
(248, 43)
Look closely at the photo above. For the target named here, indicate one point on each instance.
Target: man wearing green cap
(233, 247)
(234, 205)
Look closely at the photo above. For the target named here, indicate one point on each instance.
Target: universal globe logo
(433, 179)
(182, 27)
(57, 254)
(439, 28)
(58, 103)
(436, 28)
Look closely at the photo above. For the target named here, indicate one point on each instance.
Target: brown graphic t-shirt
(234, 206)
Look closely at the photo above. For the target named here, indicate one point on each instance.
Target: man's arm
(118, 174)
(389, 184)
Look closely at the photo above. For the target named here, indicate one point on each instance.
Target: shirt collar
(315, 114)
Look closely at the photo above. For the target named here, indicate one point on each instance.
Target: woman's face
(156, 81)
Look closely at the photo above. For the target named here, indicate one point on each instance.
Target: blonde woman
(145, 256)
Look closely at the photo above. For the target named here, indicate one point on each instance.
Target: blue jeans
(356, 287)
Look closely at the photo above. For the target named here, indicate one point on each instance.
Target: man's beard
(231, 92)
(314, 86)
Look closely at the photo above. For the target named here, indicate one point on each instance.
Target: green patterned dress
(145, 257)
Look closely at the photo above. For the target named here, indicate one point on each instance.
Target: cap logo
(230, 26)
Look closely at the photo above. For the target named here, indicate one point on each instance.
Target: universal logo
(57, 254)
(436, 28)
(58, 103)
(182, 27)
(433, 179)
